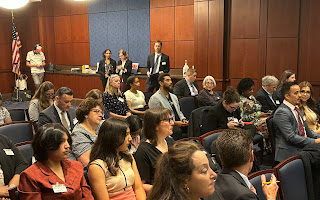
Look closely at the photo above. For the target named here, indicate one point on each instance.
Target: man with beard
(164, 98)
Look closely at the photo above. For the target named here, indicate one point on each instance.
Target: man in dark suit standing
(187, 86)
(266, 95)
(158, 63)
(60, 111)
(235, 149)
(291, 130)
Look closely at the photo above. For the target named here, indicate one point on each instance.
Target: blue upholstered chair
(26, 150)
(187, 105)
(17, 114)
(18, 132)
(207, 139)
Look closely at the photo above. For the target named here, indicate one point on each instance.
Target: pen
(266, 183)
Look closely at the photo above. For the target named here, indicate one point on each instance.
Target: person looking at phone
(36, 61)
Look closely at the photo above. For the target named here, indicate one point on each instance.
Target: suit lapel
(56, 114)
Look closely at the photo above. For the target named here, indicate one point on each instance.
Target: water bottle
(185, 68)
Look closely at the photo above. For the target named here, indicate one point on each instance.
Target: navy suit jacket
(287, 135)
(181, 88)
(164, 63)
(50, 115)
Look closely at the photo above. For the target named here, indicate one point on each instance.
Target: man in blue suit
(291, 131)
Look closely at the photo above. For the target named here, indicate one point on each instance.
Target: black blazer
(164, 64)
(50, 115)
(102, 70)
(265, 101)
(127, 66)
(232, 186)
(181, 88)
(217, 117)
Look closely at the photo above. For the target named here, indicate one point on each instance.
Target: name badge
(58, 188)
(164, 63)
(230, 119)
(277, 102)
(235, 120)
(8, 152)
(304, 118)
(121, 99)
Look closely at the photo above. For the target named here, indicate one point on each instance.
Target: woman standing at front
(125, 67)
(157, 128)
(113, 172)
(107, 66)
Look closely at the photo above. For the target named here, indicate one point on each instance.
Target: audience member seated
(113, 172)
(226, 114)
(60, 111)
(318, 105)
(4, 113)
(84, 134)
(287, 76)
(184, 173)
(164, 98)
(187, 86)
(135, 98)
(308, 106)
(208, 97)
(42, 99)
(157, 127)
(250, 108)
(115, 101)
(12, 164)
(291, 131)
(95, 94)
(53, 176)
(125, 66)
(235, 150)
(266, 94)
(135, 125)
(107, 66)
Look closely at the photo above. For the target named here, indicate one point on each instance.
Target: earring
(86, 117)
(187, 189)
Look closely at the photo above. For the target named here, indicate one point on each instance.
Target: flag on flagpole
(16, 45)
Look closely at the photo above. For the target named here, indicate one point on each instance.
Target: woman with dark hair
(308, 106)
(135, 125)
(113, 173)
(286, 76)
(84, 134)
(157, 127)
(183, 173)
(107, 66)
(114, 100)
(42, 99)
(53, 176)
(4, 113)
(251, 108)
(135, 98)
(124, 66)
(95, 94)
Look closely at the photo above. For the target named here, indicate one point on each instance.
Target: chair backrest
(17, 114)
(255, 180)
(187, 106)
(18, 132)
(293, 181)
(14, 194)
(204, 123)
(272, 137)
(147, 96)
(207, 139)
(26, 149)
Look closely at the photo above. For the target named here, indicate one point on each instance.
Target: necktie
(154, 70)
(64, 120)
(301, 127)
(194, 91)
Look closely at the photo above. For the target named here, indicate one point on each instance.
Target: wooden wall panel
(64, 54)
(161, 3)
(184, 22)
(162, 24)
(183, 2)
(62, 7)
(282, 54)
(283, 18)
(79, 28)
(46, 8)
(6, 30)
(81, 53)
(6, 57)
(184, 50)
(215, 50)
(62, 29)
(7, 82)
(244, 58)
(48, 39)
(80, 7)
(201, 36)
(245, 18)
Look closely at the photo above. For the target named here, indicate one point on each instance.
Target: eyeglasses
(97, 111)
(49, 94)
(305, 92)
(233, 108)
(168, 120)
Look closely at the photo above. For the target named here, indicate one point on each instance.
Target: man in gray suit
(164, 98)
(60, 111)
(291, 131)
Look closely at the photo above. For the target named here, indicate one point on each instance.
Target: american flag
(16, 44)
